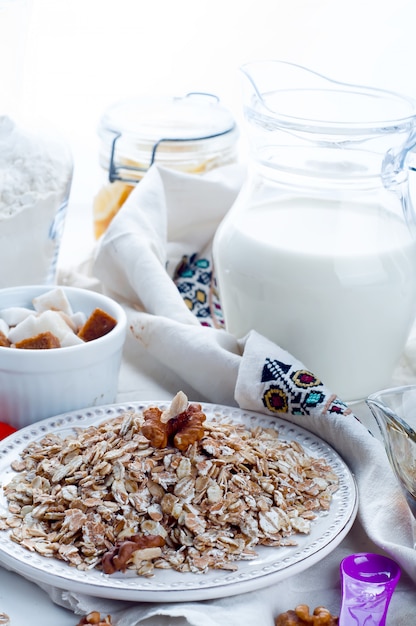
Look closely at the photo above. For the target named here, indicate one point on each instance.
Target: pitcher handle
(398, 173)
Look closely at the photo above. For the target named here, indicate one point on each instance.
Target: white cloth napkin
(154, 258)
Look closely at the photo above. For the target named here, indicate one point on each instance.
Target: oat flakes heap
(164, 490)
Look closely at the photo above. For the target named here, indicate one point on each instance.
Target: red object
(5, 430)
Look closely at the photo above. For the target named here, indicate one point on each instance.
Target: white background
(73, 58)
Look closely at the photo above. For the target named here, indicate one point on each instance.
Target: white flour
(35, 176)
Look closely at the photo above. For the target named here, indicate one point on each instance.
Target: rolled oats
(94, 493)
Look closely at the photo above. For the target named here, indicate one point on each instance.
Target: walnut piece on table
(95, 618)
(300, 616)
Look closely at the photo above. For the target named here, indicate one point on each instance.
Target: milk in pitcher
(325, 280)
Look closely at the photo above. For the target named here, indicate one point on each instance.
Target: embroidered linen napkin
(155, 259)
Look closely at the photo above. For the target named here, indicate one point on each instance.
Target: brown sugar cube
(4, 341)
(97, 325)
(43, 341)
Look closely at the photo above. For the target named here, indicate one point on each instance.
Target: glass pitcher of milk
(318, 253)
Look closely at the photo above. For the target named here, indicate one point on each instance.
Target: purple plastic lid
(371, 568)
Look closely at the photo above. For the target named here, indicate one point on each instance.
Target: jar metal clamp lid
(192, 133)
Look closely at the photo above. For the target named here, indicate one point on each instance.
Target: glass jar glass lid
(193, 116)
(137, 131)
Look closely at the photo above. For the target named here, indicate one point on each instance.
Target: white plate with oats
(97, 508)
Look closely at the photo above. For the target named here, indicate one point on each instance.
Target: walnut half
(117, 559)
(179, 431)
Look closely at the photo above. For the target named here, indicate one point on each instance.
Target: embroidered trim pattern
(194, 278)
(296, 391)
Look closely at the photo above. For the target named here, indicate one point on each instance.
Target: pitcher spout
(295, 92)
(265, 79)
(278, 93)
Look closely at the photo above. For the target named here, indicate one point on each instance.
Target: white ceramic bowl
(35, 384)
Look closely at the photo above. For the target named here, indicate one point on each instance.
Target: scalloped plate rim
(171, 586)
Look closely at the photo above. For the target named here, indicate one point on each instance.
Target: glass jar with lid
(192, 133)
